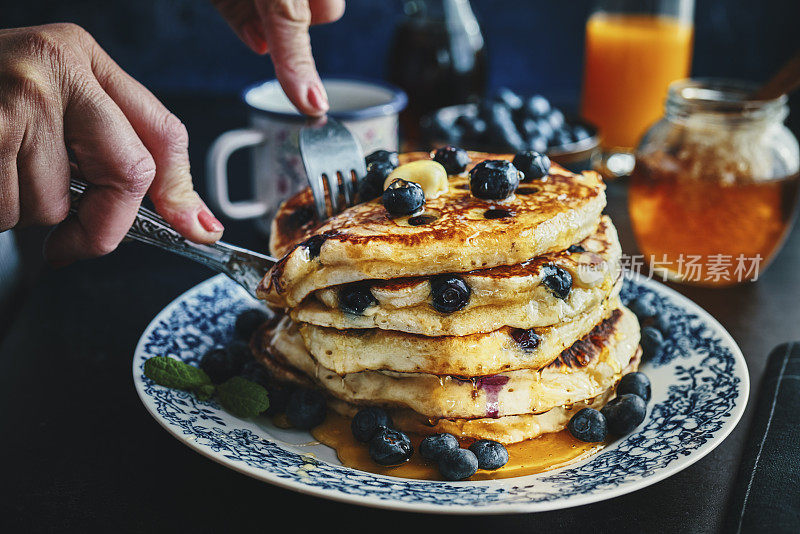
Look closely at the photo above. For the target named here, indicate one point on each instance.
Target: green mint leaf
(173, 373)
(242, 397)
(205, 392)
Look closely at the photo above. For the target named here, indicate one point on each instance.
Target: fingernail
(209, 222)
(317, 98)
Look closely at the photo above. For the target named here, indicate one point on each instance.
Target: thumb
(286, 25)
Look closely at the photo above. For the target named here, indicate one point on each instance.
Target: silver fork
(331, 155)
(243, 266)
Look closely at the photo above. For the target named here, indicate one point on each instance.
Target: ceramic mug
(369, 109)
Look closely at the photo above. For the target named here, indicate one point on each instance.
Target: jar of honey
(714, 188)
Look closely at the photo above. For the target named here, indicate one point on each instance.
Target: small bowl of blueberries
(507, 122)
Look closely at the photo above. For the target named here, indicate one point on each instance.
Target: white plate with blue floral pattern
(700, 388)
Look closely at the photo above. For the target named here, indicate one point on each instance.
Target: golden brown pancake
(365, 242)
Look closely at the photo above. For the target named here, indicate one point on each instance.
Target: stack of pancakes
(516, 361)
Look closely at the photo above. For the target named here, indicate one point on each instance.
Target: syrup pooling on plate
(528, 457)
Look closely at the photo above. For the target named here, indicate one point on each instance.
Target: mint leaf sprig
(241, 397)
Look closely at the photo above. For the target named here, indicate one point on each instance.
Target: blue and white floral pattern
(700, 390)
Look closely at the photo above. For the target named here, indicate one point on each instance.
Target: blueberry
(645, 306)
(256, 372)
(635, 383)
(506, 136)
(390, 447)
(508, 98)
(403, 198)
(279, 394)
(306, 408)
(588, 425)
(624, 413)
(556, 119)
(248, 321)
(493, 179)
(314, 244)
(356, 297)
(533, 165)
(371, 186)
(490, 454)
(579, 133)
(576, 248)
(537, 106)
(449, 293)
(368, 421)
(529, 127)
(454, 160)
(472, 128)
(495, 113)
(561, 138)
(652, 341)
(537, 143)
(458, 464)
(557, 279)
(544, 128)
(435, 446)
(382, 156)
(218, 365)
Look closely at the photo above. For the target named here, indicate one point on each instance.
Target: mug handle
(217, 165)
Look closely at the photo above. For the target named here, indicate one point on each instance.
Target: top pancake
(365, 242)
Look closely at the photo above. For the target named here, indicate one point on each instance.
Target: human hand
(280, 27)
(60, 92)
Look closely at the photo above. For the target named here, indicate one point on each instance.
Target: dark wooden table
(81, 454)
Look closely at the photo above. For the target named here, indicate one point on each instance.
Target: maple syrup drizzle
(529, 457)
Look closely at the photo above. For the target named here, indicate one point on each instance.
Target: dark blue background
(537, 45)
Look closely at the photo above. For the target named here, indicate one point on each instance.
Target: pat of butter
(429, 174)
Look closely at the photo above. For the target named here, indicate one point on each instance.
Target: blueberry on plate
(458, 464)
(588, 425)
(453, 159)
(306, 408)
(384, 156)
(449, 293)
(218, 365)
(533, 165)
(645, 306)
(371, 186)
(506, 135)
(624, 413)
(390, 447)
(356, 297)
(493, 179)
(256, 372)
(635, 383)
(248, 321)
(435, 446)
(279, 393)
(557, 279)
(490, 454)
(368, 421)
(403, 198)
(537, 106)
(652, 341)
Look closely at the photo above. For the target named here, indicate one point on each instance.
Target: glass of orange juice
(634, 50)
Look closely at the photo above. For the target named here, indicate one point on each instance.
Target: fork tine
(329, 148)
(333, 190)
(318, 192)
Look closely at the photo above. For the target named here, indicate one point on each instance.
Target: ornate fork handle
(244, 266)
